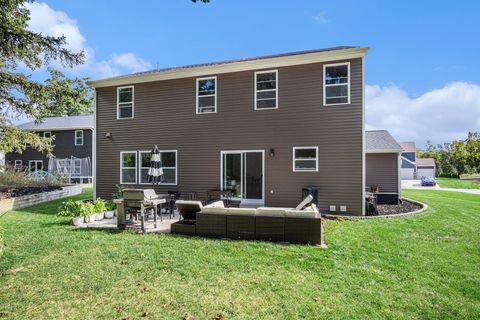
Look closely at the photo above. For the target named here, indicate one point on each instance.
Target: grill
(139, 200)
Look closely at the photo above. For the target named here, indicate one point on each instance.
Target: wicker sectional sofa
(264, 223)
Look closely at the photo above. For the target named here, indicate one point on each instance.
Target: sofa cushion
(188, 208)
(272, 211)
(218, 210)
(233, 210)
(294, 213)
(305, 201)
(216, 204)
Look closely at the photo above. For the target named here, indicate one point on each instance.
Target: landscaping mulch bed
(392, 209)
(6, 193)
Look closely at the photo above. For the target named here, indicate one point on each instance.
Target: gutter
(233, 66)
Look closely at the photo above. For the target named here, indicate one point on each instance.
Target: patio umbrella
(155, 172)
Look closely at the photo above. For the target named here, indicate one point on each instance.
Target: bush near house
(455, 158)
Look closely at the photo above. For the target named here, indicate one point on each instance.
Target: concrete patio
(162, 226)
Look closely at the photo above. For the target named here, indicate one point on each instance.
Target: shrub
(72, 208)
(111, 206)
(100, 205)
(69, 208)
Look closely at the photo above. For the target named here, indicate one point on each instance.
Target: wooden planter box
(33, 199)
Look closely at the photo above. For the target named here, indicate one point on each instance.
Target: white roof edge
(255, 64)
(408, 160)
(57, 129)
(384, 151)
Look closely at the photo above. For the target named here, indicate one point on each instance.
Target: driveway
(416, 184)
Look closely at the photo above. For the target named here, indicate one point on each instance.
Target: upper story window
(207, 95)
(336, 84)
(266, 93)
(128, 167)
(79, 137)
(125, 102)
(47, 134)
(305, 159)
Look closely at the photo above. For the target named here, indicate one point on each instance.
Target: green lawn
(457, 183)
(426, 266)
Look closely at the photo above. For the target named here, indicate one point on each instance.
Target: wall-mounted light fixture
(272, 152)
(108, 135)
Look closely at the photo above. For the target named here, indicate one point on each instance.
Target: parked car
(428, 181)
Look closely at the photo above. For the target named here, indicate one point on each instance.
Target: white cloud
(440, 115)
(130, 61)
(51, 22)
(321, 17)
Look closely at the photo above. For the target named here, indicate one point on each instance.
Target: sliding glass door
(242, 173)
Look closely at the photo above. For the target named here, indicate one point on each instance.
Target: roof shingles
(60, 123)
(380, 141)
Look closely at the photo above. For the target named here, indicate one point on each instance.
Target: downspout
(94, 145)
(399, 174)
(363, 137)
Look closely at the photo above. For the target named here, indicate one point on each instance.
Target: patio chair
(188, 208)
(174, 196)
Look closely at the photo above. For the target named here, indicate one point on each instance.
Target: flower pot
(109, 214)
(78, 221)
(89, 219)
(99, 216)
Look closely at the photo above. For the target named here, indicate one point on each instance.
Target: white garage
(425, 167)
(407, 173)
(425, 172)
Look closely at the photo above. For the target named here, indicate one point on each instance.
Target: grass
(424, 266)
(458, 183)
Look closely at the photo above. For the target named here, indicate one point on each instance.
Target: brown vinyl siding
(64, 147)
(165, 115)
(382, 170)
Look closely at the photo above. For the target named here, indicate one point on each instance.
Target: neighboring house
(264, 128)
(382, 161)
(73, 138)
(425, 167)
(413, 167)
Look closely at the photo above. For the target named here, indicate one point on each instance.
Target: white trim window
(125, 105)
(35, 165)
(336, 84)
(79, 137)
(128, 167)
(47, 134)
(169, 167)
(18, 164)
(266, 90)
(305, 159)
(207, 95)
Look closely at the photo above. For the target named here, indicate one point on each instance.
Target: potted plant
(88, 211)
(110, 210)
(72, 209)
(100, 206)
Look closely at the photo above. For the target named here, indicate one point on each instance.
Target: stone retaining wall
(32, 199)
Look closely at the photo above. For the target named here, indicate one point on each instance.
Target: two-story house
(73, 142)
(414, 167)
(263, 127)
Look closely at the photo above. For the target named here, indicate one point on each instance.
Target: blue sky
(418, 48)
